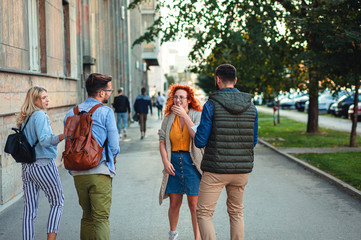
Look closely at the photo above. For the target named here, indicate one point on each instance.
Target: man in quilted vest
(228, 130)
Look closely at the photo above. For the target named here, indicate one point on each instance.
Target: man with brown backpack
(92, 143)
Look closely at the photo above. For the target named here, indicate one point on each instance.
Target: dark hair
(96, 82)
(120, 90)
(143, 90)
(226, 72)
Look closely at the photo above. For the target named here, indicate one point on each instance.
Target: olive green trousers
(95, 198)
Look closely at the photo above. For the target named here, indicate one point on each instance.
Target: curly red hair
(194, 104)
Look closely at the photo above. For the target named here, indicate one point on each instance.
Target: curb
(331, 179)
(17, 197)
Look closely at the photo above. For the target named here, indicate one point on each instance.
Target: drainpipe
(130, 79)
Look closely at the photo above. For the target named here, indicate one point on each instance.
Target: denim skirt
(187, 178)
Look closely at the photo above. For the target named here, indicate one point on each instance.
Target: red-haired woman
(181, 158)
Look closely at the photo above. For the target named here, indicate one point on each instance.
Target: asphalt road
(282, 201)
(336, 123)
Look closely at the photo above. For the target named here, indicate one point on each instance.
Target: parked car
(332, 109)
(351, 111)
(257, 100)
(271, 104)
(343, 105)
(300, 103)
(289, 102)
(276, 99)
(325, 100)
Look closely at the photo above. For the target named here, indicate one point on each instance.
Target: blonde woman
(181, 158)
(43, 174)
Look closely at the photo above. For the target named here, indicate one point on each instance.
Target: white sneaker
(173, 235)
(120, 135)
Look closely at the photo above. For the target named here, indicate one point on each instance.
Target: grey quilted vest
(230, 145)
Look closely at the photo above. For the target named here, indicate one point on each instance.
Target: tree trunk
(312, 121)
(355, 111)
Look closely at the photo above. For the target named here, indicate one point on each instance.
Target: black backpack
(18, 146)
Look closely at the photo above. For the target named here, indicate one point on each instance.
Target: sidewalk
(135, 211)
(339, 124)
(324, 121)
(277, 189)
(294, 150)
(286, 152)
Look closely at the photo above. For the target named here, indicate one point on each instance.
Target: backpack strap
(105, 145)
(92, 110)
(37, 141)
(76, 110)
(22, 129)
(27, 120)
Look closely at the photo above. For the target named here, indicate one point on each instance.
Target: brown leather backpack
(82, 150)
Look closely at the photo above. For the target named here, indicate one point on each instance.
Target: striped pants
(46, 178)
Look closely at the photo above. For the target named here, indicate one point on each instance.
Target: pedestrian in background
(159, 102)
(94, 186)
(122, 110)
(43, 173)
(141, 105)
(180, 157)
(229, 132)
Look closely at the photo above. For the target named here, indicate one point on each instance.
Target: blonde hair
(29, 106)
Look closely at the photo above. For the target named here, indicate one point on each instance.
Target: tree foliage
(330, 32)
(170, 79)
(343, 49)
(244, 33)
(274, 44)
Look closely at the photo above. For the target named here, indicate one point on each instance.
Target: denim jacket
(38, 128)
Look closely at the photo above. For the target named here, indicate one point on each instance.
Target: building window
(37, 35)
(148, 5)
(42, 32)
(67, 65)
(34, 48)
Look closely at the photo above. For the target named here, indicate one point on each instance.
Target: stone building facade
(56, 44)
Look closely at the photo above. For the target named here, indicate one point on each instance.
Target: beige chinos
(209, 190)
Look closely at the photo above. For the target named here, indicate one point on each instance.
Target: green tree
(259, 69)
(305, 39)
(245, 33)
(170, 79)
(343, 49)
(249, 34)
(205, 81)
(329, 33)
(210, 22)
(312, 24)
